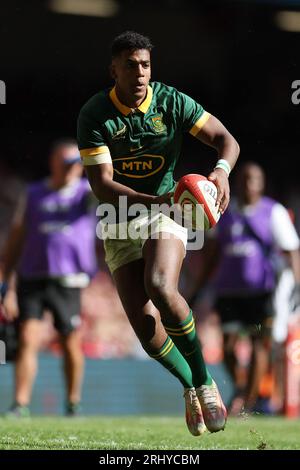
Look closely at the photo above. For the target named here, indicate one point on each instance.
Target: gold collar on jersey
(143, 107)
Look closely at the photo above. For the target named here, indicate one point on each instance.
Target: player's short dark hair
(130, 40)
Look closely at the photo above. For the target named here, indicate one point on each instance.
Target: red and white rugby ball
(197, 193)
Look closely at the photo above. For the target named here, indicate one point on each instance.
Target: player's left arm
(215, 134)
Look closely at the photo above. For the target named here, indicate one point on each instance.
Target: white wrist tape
(222, 163)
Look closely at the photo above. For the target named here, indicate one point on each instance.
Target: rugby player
(130, 138)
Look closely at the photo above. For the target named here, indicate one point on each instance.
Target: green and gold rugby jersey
(144, 143)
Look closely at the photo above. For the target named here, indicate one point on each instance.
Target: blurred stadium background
(238, 59)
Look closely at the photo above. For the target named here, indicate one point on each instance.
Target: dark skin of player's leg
(163, 262)
(142, 314)
(145, 302)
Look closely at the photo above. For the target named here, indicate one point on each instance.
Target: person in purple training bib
(244, 253)
(52, 244)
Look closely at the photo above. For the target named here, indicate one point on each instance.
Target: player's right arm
(107, 190)
(96, 158)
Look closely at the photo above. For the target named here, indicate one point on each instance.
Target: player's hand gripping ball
(197, 197)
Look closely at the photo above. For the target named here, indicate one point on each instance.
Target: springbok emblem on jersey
(158, 124)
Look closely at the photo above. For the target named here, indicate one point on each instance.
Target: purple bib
(247, 250)
(60, 231)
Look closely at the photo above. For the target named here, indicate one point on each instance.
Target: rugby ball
(197, 197)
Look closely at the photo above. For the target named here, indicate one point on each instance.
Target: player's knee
(160, 290)
(27, 341)
(29, 337)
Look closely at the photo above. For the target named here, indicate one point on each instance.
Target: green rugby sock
(185, 337)
(169, 356)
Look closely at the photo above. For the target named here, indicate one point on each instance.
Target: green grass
(145, 433)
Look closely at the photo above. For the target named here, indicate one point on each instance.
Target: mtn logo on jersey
(142, 166)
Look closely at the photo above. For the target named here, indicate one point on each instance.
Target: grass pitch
(160, 433)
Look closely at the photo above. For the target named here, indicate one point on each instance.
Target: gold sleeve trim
(94, 151)
(97, 159)
(200, 123)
